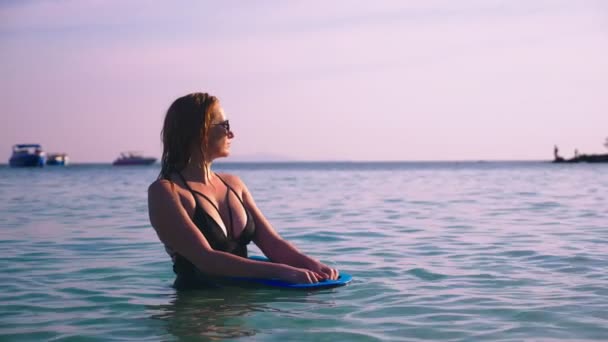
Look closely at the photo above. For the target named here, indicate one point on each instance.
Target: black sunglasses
(225, 124)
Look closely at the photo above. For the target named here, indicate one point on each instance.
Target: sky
(310, 80)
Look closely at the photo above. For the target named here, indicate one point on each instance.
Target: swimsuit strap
(198, 193)
(229, 213)
(231, 189)
(228, 189)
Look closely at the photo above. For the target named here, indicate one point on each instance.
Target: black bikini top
(213, 232)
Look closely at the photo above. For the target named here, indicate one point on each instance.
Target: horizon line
(337, 161)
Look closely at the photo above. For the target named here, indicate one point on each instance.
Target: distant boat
(133, 158)
(581, 158)
(58, 159)
(584, 158)
(27, 155)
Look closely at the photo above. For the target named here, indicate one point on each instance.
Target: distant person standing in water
(205, 219)
(556, 154)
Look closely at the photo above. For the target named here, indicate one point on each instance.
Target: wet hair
(186, 125)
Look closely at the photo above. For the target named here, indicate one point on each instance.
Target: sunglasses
(225, 124)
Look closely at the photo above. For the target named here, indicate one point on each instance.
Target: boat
(27, 155)
(133, 158)
(57, 159)
(581, 158)
(584, 158)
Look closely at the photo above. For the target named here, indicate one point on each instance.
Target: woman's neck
(198, 170)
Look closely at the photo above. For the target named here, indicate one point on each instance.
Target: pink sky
(310, 80)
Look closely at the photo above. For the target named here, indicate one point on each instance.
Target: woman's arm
(175, 229)
(278, 249)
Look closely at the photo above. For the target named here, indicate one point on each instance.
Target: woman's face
(220, 135)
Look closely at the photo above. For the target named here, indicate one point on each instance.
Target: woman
(207, 219)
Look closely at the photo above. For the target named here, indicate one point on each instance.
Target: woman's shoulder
(170, 182)
(161, 187)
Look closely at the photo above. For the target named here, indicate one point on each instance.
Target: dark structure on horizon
(581, 158)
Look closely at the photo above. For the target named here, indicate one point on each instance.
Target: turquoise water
(438, 251)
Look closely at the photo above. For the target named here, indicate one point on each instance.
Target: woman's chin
(220, 155)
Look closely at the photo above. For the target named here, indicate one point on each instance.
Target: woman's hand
(325, 271)
(296, 275)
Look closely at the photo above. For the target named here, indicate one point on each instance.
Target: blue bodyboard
(342, 280)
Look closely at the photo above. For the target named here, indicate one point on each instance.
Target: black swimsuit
(188, 276)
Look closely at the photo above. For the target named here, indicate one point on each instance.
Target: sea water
(497, 251)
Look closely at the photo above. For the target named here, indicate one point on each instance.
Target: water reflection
(210, 313)
(223, 313)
